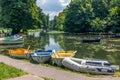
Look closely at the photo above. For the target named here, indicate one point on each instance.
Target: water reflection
(11, 46)
(34, 34)
(107, 49)
(52, 44)
(37, 34)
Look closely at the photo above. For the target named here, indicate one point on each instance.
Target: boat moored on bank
(19, 53)
(58, 56)
(41, 56)
(89, 65)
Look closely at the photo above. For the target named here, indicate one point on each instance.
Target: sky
(52, 7)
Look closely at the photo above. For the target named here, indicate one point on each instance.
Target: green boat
(9, 41)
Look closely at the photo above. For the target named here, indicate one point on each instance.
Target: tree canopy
(79, 16)
(20, 14)
(90, 15)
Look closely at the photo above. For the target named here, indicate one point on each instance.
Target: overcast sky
(52, 7)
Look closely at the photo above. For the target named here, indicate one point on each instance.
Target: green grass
(117, 74)
(7, 71)
(32, 30)
(55, 32)
(45, 78)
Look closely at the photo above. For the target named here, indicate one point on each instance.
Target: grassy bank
(7, 71)
(117, 73)
(33, 30)
(55, 32)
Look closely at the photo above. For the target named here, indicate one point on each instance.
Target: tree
(113, 19)
(48, 22)
(19, 14)
(78, 16)
(97, 24)
(61, 20)
(90, 15)
(53, 23)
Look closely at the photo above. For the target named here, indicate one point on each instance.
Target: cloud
(64, 2)
(52, 14)
(52, 7)
(41, 2)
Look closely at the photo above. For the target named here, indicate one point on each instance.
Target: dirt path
(38, 70)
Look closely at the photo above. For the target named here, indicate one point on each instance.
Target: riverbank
(38, 70)
(55, 32)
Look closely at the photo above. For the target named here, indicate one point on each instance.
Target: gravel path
(38, 70)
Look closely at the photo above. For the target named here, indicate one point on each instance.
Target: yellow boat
(58, 56)
(19, 53)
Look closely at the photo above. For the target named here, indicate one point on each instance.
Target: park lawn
(7, 71)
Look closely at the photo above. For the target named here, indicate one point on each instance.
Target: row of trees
(21, 14)
(79, 16)
(89, 15)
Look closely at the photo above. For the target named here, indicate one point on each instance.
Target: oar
(55, 53)
(26, 51)
(28, 47)
(74, 53)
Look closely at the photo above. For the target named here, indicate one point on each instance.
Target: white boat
(89, 65)
(41, 56)
(115, 67)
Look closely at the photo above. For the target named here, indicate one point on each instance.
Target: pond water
(107, 49)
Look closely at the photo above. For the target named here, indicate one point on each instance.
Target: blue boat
(41, 56)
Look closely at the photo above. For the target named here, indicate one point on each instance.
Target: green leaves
(97, 24)
(20, 14)
(91, 15)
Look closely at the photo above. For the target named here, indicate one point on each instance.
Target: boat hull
(90, 40)
(18, 56)
(58, 56)
(20, 53)
(57, 61)
(41, 56)
(40, 59)
(12, 41)
(75, 64)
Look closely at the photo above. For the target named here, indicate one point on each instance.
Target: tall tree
(48, 22)
(78, 17)
(61, 20)
(19, 14)
(92, 15)
(101, 11)
(55, 23)
(113, 18)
